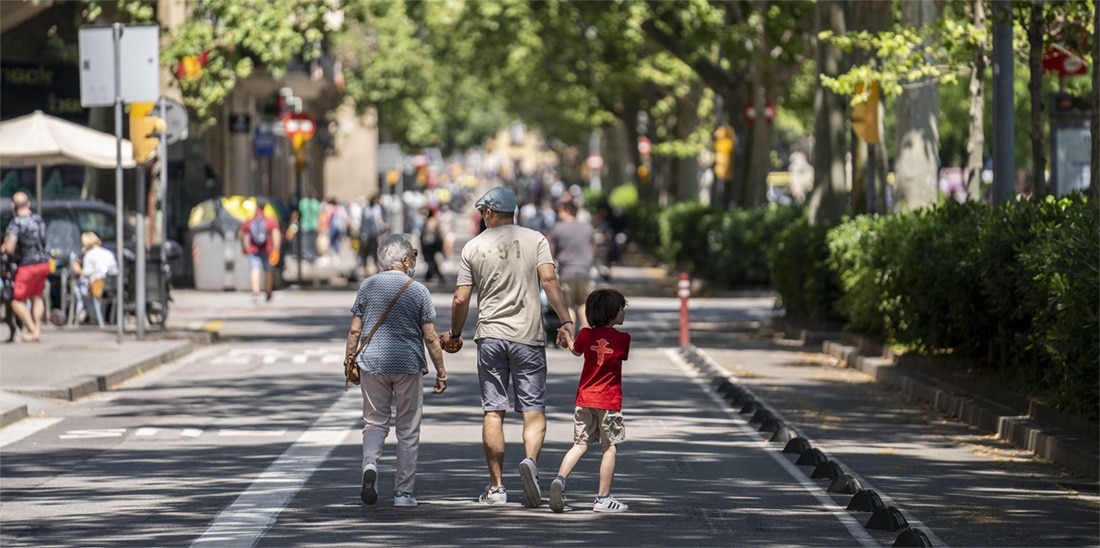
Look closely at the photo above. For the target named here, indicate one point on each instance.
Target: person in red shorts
(26, 241)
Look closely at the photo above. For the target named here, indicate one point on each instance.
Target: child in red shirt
(599, 395)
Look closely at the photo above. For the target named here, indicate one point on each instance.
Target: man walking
(508, 264)
(260, 238)
(573, 244)
(26, 241)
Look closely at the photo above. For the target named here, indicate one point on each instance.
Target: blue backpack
(257, 231)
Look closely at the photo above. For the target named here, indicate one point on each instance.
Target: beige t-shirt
(502, 266)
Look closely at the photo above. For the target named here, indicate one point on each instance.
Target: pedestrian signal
(145, 131)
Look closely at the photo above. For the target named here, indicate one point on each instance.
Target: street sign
(175, 115)
(264, 141)
(138, 69)
(302, 124)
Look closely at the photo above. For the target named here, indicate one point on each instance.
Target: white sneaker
(401, 498)
(367, 492)
(608, 504)
(557, 495)
(529, 471)
(493, 496)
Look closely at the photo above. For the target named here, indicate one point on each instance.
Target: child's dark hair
(602, 306)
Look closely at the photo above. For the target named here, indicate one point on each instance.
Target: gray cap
(498, 199)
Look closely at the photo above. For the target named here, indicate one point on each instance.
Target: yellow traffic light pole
(145, 133)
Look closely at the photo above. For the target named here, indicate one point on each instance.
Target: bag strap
(366, 340)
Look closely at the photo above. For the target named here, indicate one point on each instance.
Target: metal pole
(162, 158)
(1004, 148)
(298, 236)
(139, 254)
(120, 301)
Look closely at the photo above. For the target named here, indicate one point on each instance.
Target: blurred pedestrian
(309, 209)
(260, 239)
(401, 319)
(94, 267)
(26, 241)
(431, 243)
(507, 264)
(573, 245)
(371, 228)
(599, 410)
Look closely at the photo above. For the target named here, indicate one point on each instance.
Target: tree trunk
(975, 145)
(868, 160)
(1094, 175)
(829, 200)
(1035, 28)
(917, 161)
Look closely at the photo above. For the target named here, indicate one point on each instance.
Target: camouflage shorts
(587, 422)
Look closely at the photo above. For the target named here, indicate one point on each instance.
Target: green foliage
(798, 262)
(623, 196)
(1065, 266)
(1017, 285)
(854, 255)
(727, 247)
(239, 38)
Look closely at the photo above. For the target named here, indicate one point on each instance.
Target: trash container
(219, 263)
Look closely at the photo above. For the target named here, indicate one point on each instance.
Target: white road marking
(15, 432)
(251, 433)
(191, 432)
(93, 433)
(245, 521)
(146, 431)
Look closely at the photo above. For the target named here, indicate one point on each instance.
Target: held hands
(449, 344)
(565, 335)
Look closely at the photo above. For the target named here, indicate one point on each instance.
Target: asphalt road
(252, 441)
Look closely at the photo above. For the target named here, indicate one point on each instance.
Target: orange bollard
(684, 292)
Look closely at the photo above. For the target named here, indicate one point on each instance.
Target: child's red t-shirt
(604, 349)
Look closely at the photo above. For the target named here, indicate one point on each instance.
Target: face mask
(411, 272)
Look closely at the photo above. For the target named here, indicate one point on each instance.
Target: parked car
(65, 221)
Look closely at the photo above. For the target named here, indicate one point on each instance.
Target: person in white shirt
(94, 267)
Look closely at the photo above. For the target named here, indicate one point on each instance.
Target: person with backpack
(260, 241)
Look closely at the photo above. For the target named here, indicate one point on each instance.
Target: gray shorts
(589, 422)
(500, 361)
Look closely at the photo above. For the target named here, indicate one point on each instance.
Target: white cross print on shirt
(602, 350)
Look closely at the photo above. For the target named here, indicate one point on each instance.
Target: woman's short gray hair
(393, 248)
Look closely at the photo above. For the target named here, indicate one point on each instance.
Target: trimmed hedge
(1015, 288)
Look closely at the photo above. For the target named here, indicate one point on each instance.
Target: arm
(435, 352)
(9, 244)
(353, 336)
(460, 307)
(276, 237)
(548, 277)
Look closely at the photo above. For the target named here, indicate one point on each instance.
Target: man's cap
(498, 199)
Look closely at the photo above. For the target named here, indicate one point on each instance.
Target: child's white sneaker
(608, 504)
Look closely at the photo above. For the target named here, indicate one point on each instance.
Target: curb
(88, 385)
(1019, 427)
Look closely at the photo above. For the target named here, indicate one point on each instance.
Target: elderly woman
(94, 267)
(392, 363)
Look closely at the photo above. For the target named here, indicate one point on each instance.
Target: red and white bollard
(684, 292)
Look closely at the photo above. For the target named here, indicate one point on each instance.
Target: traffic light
(865, 115)
(145, 131)
(723, 153)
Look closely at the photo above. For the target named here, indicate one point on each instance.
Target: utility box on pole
(1070, 143)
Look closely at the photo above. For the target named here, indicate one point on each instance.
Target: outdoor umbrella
(39, 139)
